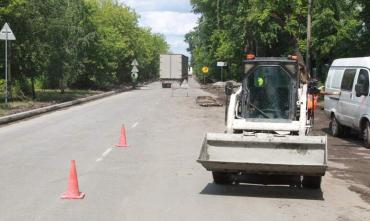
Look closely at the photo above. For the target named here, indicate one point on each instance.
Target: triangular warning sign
(6, 33)
(135, 63)
(135, 70)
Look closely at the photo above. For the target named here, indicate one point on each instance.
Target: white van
(349, 106)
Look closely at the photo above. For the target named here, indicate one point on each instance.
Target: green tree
(77, 44)
(276, 28)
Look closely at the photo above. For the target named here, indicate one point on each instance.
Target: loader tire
(222, 178)
(311, 182)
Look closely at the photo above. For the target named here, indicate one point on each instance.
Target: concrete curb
(39, 111)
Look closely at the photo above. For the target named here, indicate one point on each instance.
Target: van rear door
(332, 85)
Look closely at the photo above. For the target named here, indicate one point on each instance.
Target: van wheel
(366, 135)
(311, 182)
(222, 178)
(337, 130)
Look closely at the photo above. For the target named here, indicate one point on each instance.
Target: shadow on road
(262, 191)
(353, 139)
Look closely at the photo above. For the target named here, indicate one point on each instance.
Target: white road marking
(135, 125)
(104, 155)
(107, 152)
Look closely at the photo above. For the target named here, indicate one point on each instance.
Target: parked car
(348, 106)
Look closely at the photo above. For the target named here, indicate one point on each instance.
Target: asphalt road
(156, 178)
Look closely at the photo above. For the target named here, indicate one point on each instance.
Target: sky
(172, 18)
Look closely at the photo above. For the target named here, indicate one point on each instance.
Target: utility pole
(218, 14)
(309, 36)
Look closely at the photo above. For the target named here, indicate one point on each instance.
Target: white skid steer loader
(268, 125)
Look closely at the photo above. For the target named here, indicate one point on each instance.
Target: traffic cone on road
(122, 141)
(73, 191)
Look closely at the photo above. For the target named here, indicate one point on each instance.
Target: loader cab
(270, 90)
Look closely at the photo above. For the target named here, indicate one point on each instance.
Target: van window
(363, 78)
(348, 78)
(329, 78)
(337, 79)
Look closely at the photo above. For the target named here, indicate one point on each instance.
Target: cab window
(270, 91)
(348, 78)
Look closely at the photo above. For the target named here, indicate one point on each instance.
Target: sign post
(222, 64)
(6, 34)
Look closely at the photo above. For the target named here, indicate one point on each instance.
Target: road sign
(135, 70)
(6, 33)
(135, 63)
(134, 76)
(221, 64)
(205, 70)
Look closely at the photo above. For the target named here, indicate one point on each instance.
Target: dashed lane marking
(107, 152)
(104, 155)
(135, 125)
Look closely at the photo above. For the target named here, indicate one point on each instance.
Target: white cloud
(173, 18)
(178, 45)
(167, 22)
(159, 5)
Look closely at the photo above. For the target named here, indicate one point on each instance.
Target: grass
(56, 97)
(43, 98)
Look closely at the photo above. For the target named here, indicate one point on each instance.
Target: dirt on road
(349, 160)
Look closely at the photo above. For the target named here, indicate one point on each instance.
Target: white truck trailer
(173, 68)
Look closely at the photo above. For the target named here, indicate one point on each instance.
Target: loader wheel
(222, 178)
(366, 135)
(338, 130)
(311, 182)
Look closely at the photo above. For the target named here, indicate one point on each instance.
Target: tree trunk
(33, 87)
(61, 85)
(309, 29)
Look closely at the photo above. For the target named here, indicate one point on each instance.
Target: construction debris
(207, 101)
(221, 84)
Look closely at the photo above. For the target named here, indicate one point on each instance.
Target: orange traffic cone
(122, 140)
(73, 191)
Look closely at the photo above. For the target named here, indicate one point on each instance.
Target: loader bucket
(265, 154)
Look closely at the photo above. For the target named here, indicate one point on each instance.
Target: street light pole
(309, 35)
